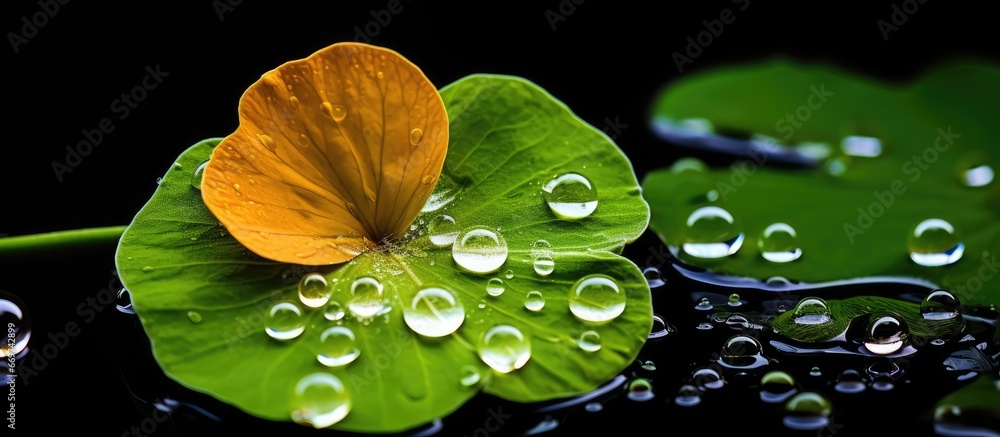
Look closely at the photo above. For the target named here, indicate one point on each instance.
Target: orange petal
(334, 154)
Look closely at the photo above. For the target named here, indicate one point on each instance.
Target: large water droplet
(314, 291)
(640, 390)
(934, 243)
(442, 230)
(504, 348)
(596, 298)
(940, 305)
(479, 250)
(199, 172)
(16, 324)
(494, 287)
(434, 312)
(534, 301)
(366, 300)
(779, 243)
(320, 400)
(777, 386)
(867, 147)
(416, 136)
(336, 112)
(589, 341)
(570, 196)
(337, 348)
(811, 311)
(712, 232)
(544, 265)
(334, 311)
(886, 333)
(285, 321)
(742, 351)
(807, 411)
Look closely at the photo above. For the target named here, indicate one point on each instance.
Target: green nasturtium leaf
(853, 215)
(205, 301)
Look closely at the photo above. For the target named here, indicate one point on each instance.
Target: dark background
(607, 59)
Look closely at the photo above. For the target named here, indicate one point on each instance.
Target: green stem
(60, 239)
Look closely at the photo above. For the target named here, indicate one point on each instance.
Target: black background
(607, 59)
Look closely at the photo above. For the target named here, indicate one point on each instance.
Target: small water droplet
(336, 112)
(589, 341)
(688, 164)
(779, 243)
(815, 371)
(640, 390)
(509, 274)
(194, 316)
(504, 348)
(974, 169)
(688, 396)
(320, 400)
(742, 351)
(334, 311)
(148, 269)
(712, 232)
(593, 407)
(596, 298)
(541, 247)
(940, 305)
(470, 376)
(416, 136)
(886, 333)
(293, 102)
(314, 291)
(267, 142)
(654, 277)
(199, 172)
(814, 150)
(304, 140)
(379, 75)
(934, 243)
(285, 321)
(427, 179)
(856, 145)
(648, 365)
(159, 181)
(337, 348)
(734, 300)
(544, 265)
(777, 386)
(442, 230)
(366, 299)
(704, 304)
(850, 381)
(434, 312)
(534, 301)
(16, 325)
(707, 378)
(494, 287)
(660, 328)
(807, 411)
(811, 311)
(123, 302)
(570, 196)
(836, 166)
(479, 250)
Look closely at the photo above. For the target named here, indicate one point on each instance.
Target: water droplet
(648, 365)
(544, 265)
(367, 298)
(653, 277)
(596, 298)
(199, 171)
(849, 381)
(337, 348)
(589, 341)
(779, 243)
(494, 287)
(194, 316)
(159, 181)
(285, 321)
(470, 376)
(688, 396)
(123, 302)
(427, 179)
(836, 166)
(704, 304)
(640, 390)
(742, 351)
(807, 411)
(734, 300)
(815, 371)
(442, 230)
(16, 325)
(336, 112)
(867, 147)
(813, 150)
(380, 75)
(777, 386)
(688, 164)
(320, 400)
(534, 301)
(541, 247)
(934, 243)
(267, 142)
(416, 136)
(593, 407)
(811, 311)
(660, 328)
(704, 326)
(940, 305)
(974, 169)
(304, 140)
(314, 291)
(509, 274)
(712, 232)
(148, 269)
(334, 311)
(479, 250)
(434, 312)
(707, 378)
(570, 196)
(504, 348)
(886, 333)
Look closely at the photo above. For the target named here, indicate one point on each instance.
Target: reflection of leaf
(507, 139)
(857, 223)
